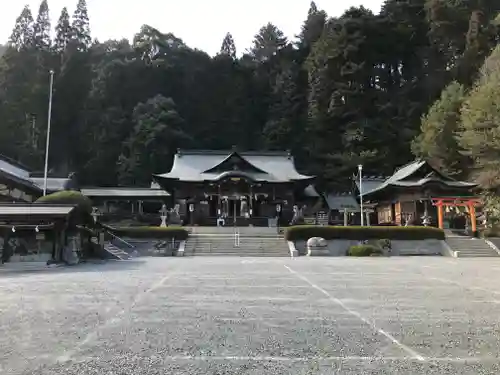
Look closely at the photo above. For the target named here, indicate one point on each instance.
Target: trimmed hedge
(83, 203)
(304, 232)
(177, 233)
(363, 251)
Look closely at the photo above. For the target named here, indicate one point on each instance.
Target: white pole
(360, 169)
(47, 144)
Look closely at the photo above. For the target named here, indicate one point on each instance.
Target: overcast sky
(200, 23)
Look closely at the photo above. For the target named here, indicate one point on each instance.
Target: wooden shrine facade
(418, 194)
(238, 187)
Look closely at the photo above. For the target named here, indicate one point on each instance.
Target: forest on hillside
(363, 88)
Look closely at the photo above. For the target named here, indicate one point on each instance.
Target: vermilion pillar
(472, 211)
(440, 214)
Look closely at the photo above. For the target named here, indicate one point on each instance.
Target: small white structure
(163, 216)
(317, 246)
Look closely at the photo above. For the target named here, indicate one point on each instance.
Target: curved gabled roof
(197, 166)
(402, 178)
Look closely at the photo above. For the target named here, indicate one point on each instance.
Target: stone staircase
(252, 242)
(468, 247)
(116, 252)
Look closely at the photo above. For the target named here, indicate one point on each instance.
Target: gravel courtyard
(254, 316)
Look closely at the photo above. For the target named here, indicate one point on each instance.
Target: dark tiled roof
(20, 174)
(370, 182)
(123, 192)
(269, 166)
(406, 171)
(53, 184)
(342, 202)
(311, 191)
(35, 210)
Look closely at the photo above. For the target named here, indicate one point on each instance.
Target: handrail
(236, 237)
(121, 239)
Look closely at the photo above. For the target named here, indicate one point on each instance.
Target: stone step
(243, 255)
(234, 248)
(238, 250)
(469, 245)
(116, 252)
(477, 252)
(470, 248)
(461, 255)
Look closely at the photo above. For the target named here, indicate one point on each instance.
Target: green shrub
(76, 198)
(304, 232)
(363, 251)
(81, 214)
(177, 233)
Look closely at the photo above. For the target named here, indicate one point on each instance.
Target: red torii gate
(469, 202)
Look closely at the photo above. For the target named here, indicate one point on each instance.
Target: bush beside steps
(364, 251)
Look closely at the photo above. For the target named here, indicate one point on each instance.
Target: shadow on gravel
(108, 266)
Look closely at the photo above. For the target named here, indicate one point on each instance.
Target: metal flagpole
(360, 170)
(47, 144)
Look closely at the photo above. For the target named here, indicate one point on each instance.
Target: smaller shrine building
(419, 194)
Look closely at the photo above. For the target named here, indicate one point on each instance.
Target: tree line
(362, 88)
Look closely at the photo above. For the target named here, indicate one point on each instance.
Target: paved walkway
(254, 316)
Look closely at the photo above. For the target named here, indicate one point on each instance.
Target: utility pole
(360, 170)
(33, 132)
(47, 144)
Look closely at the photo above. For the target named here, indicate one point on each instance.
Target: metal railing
(115, 237)
(236, 237)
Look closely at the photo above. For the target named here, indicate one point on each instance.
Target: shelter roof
(123, 192)
(49, 210)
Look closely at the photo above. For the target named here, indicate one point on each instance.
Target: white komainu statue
(317, 246)
(244, 209)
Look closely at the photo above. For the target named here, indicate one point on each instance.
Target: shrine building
(419, 194)
(245, 188)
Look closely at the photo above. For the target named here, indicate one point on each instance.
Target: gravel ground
(254, 316)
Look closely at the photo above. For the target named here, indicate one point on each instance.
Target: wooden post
(440, 214)
(345, 217)
(251, 199)
(472, 211)
(397, 212)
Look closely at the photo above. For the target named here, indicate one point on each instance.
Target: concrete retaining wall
(399, 247)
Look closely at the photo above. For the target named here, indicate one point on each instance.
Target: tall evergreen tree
(158, 132)
(313, 27)
(63, 32)
(42, 28)
(285, 125)
(22, 35)
(479, 135)
(437, 142)
(81, 27)
(269, 40)
(228, 47)
(351, 90)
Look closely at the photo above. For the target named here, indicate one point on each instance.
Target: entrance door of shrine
(238, 208)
